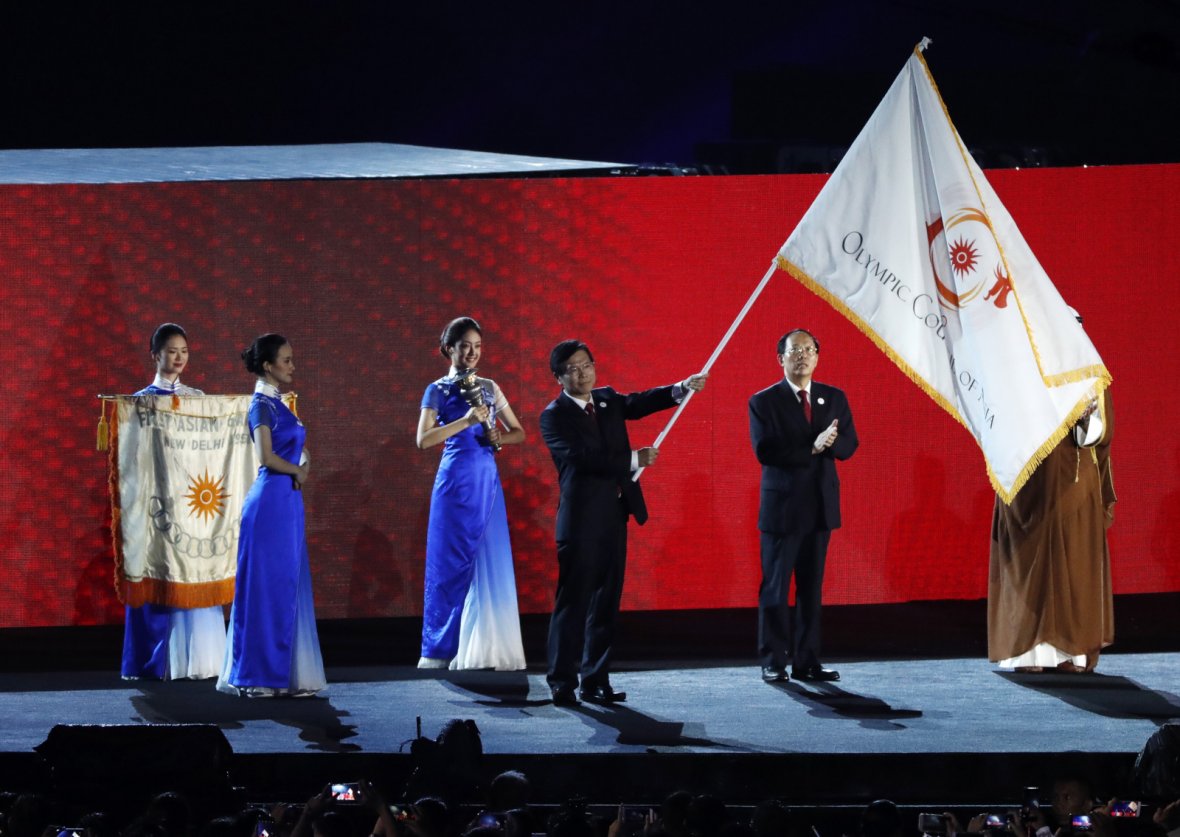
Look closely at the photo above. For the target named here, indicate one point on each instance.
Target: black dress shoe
(602, 695)
(564, 697)
(774, 674)
(816, 673)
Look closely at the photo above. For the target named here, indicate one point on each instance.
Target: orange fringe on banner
(172, 594)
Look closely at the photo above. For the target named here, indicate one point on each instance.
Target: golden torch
(472, 392)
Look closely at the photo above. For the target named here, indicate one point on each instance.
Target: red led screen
(362, 275)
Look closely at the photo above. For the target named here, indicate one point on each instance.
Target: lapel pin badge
(819, 401)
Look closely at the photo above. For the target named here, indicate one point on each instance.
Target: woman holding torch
(469, 616)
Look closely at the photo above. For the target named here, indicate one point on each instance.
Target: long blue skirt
(273, 643)
(470, 615)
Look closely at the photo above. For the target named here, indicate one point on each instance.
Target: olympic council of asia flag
(909, 242)
(180, 470)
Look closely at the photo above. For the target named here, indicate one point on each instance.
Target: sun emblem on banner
(975, 243)
(206, 497)
(963, 257)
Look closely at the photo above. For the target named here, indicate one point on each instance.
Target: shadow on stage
(320, 724)
(629, 726)
(827, 700)
(1111, 696)
(617, 723)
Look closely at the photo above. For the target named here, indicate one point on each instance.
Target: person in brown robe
(1049, 602)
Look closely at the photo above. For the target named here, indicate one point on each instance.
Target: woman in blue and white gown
(469, 616)
(273, 647)
(162, 642)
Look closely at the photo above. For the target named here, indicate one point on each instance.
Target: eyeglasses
(571, 368)
(806, 351)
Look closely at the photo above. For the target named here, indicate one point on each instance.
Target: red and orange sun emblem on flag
(963, 256)
(206, 497)
(975, 242)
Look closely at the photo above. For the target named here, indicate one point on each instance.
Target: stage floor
(894, 706)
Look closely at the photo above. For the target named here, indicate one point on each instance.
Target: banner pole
(713, 358)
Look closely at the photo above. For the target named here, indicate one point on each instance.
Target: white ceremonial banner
(180, 472)
(908, 240)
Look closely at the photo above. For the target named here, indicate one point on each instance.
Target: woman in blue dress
(469, 616)
(273, 647)
(162, 642)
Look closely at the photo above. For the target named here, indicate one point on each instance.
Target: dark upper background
(718, 87)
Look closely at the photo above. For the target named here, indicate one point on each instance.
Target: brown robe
(1049, 578)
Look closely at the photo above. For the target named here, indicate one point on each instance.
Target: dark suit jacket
(593, 456)
(800, 490)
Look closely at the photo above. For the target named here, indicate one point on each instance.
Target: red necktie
(806, 405)
(590, 409)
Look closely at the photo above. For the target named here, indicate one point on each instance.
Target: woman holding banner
(469, 616)
(162, 642)
(273, 647)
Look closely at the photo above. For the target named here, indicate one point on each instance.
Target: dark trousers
(589, 587)
(784, 634)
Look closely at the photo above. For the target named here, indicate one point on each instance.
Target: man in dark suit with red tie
(586, 431)
(799, 428)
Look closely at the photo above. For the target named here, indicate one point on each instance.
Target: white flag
(180, 472)
(908, 240)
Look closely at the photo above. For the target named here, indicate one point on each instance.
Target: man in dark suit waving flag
(585, 429)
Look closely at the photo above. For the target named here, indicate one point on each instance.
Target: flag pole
(713, 359)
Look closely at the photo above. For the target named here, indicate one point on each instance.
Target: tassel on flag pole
(104, 429)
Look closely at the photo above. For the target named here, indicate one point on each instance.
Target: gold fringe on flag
(116, 500)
